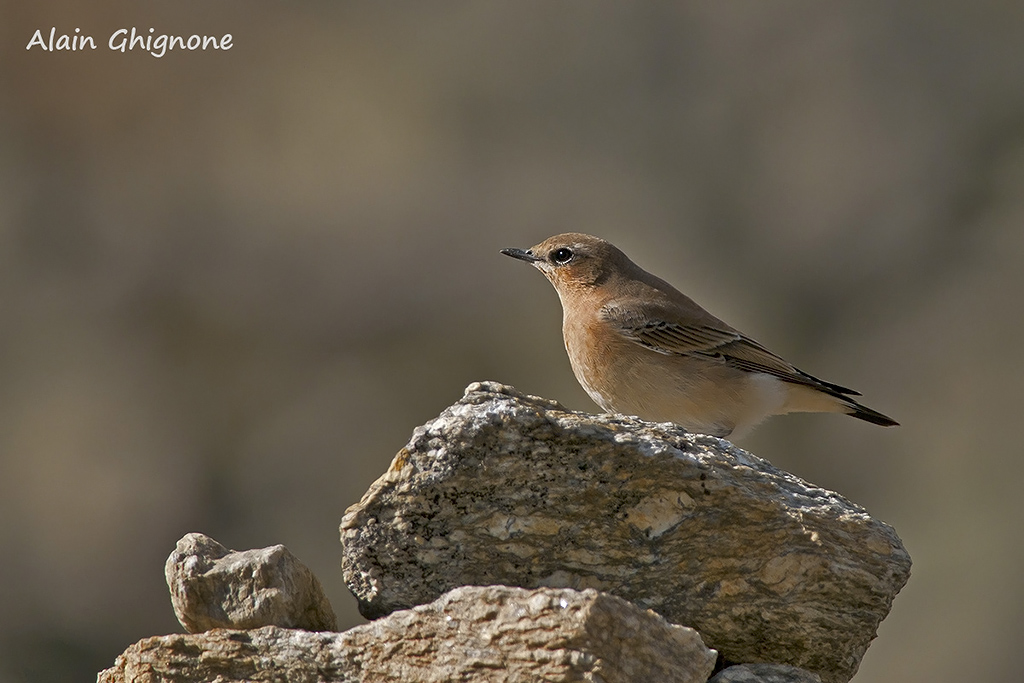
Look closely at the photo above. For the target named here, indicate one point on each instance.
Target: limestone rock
(505, 488)
(213, 587)
(479, 634)
(764, 673)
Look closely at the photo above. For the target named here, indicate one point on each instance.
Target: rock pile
(514, 540)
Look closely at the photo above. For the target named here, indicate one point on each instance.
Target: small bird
(639, 346)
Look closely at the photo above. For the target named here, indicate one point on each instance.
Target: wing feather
(712, 342)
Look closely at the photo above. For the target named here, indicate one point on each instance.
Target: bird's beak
(521, 255)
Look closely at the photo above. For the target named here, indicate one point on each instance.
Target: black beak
(521, 255)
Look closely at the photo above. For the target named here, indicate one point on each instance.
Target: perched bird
(640, 347)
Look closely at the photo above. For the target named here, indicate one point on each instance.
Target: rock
(764, 673)
(213, 587)
(505, 488)
(479, 634)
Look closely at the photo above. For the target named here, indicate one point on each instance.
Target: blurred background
(232, 283)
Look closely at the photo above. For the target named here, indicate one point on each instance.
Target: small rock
(765, 673)
(213, 587)
(480, 634)
(505, 488)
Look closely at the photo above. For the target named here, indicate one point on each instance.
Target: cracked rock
(481, 634)
(506, 488)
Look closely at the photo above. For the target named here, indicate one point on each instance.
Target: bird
(638, 346)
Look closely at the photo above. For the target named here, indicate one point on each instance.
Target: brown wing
(723, 344)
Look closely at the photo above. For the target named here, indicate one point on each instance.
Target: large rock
(505, 488)
(480, 634)
(213, 587)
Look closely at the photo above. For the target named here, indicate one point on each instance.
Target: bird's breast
(592, 354)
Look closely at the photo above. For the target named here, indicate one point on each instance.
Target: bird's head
(574, 261)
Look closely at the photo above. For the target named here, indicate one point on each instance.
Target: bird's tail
(862, 412)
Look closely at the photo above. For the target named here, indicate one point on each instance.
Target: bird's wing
(711, 341)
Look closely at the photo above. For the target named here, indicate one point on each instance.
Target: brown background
(233, 283)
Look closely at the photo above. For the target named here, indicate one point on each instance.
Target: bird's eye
(562, 255)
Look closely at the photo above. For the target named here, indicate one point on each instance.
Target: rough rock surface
(505, 488)
(213, 587)
(764, 673)
(479, 634)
